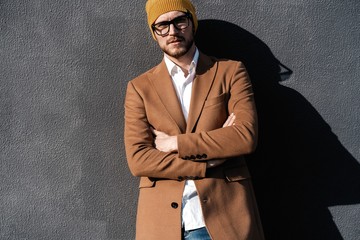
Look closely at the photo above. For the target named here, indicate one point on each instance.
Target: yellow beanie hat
(155, 8)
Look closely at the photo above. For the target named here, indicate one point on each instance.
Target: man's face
(177, 42)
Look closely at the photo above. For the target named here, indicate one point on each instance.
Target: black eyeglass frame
(168, 23)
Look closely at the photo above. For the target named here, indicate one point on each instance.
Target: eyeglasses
(180, 23)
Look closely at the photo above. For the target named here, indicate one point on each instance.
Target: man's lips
(175, 40)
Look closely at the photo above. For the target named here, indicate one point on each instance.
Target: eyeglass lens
(163, 28)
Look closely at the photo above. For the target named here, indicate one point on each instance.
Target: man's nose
(172, 29)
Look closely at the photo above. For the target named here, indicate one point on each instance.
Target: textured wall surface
(64, 69)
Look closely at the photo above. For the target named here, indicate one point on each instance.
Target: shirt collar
(173, 68)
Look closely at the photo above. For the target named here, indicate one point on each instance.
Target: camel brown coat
(220, 87)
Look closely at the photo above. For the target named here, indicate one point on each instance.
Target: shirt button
(174, 205)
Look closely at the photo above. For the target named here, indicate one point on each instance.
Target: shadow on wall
(300, 168)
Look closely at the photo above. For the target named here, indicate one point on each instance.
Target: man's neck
(184, 62)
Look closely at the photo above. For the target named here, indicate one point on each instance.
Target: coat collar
(205, 74)
(162, 83)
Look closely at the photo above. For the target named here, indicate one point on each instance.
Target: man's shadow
(300, 168)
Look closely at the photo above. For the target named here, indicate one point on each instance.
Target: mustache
(175, 39)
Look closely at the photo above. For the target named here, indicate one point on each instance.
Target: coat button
(204, 156)
(174, 205)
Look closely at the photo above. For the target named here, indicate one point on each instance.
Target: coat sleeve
(233, 141)
(143, 158)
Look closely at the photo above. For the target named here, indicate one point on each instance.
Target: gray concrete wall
(64, 69)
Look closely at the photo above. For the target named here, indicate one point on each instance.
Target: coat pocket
(220, 99)
(145, 182)
(236, 173)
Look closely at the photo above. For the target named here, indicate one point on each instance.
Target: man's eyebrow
(165, 21)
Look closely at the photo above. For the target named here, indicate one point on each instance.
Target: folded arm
(166, 143)
(189, 154)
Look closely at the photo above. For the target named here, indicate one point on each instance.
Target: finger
(157, 133)
(227, 121)
(154, 131)
(160, 134)
(230, 120)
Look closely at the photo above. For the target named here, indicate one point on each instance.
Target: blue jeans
(196, 234)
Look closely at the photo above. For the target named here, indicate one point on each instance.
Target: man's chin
(176, 53)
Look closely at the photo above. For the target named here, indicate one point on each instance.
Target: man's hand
(214, 163)
(164, 142)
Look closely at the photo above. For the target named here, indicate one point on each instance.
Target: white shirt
(192, 217)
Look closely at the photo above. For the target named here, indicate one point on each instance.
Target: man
(188, 123)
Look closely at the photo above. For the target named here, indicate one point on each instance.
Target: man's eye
(161, 25)
(180, 20)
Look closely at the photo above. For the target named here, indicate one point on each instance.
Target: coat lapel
(205, 74)
(164, 88)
